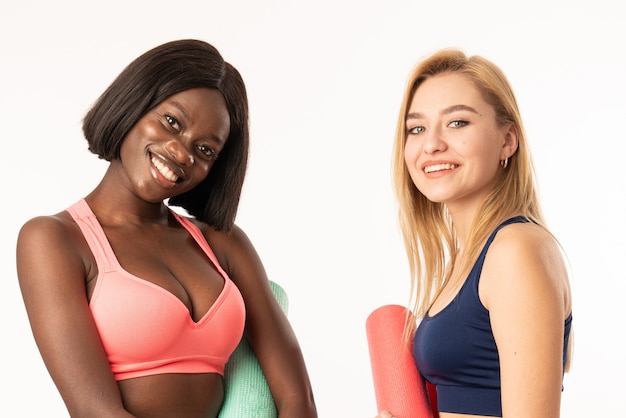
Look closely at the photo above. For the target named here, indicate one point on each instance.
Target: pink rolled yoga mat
(399, 387)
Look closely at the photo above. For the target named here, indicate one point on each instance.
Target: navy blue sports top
(455, 349)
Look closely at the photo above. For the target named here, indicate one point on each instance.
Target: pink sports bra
(145, 329)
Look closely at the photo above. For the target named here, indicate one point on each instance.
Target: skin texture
(524, 282)
(449, 123)
(57, 274)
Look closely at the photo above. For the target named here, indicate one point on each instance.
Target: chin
(436, 200)
(435, 197)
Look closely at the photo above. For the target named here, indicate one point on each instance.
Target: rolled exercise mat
(246, 392)
(398, 385)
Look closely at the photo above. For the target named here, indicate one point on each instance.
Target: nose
(179, 152)
(434, 141)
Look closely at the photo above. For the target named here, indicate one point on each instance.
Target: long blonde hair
(427, 230)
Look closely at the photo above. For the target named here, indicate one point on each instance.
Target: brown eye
(208, 152)
(172, 122)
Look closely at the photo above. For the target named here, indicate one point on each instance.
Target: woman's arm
(51, 273)
(525, 287)
(267, 328)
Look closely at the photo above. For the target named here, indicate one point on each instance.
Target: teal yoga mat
(246, 392)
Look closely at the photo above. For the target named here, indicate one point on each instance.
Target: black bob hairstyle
(151, 78)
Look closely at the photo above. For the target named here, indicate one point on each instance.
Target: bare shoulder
(526, 238)
(236, 254)
(235, 236)
(526, 260)
(225, 244)
(45, 230)
(58, 227)
(49, 242)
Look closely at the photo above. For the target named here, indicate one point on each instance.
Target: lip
(438, 167)
(165, 171)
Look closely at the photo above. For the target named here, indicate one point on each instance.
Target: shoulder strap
(200, 239)
(94, 235)
(478, 266)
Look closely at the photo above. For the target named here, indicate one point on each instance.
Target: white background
(325, 79)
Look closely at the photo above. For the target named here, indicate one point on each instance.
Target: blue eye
(416, 130)
(458, 123)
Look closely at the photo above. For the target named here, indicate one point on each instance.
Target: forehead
(202, 108)
(198, 100)
(445, 90)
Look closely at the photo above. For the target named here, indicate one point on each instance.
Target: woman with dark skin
(174, 128)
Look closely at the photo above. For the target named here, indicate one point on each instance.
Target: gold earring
(504, 163)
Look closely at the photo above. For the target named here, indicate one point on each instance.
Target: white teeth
(164, 170)
(439, 167)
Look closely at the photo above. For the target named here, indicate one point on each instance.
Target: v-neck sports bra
(145, 329)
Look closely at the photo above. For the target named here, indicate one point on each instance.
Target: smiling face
(454, 144)
(171, 149)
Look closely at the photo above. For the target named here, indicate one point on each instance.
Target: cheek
(411, 154)
(411, 157)
(201, 170)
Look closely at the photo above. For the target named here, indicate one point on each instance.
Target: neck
(462, 219)
(114, 210)
(115, 204)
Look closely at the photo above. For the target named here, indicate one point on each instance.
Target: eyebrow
(181, 108)
(446, 111)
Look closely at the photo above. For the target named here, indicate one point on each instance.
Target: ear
(511, 142)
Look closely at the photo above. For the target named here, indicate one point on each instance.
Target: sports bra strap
(94, 235)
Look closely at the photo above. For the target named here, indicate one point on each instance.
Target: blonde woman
(490, 288)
